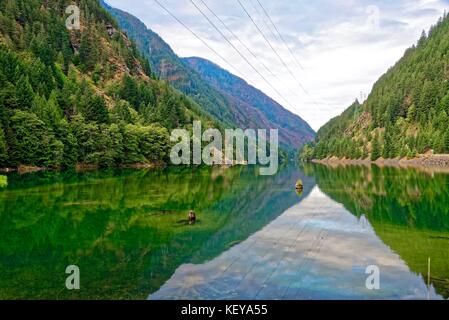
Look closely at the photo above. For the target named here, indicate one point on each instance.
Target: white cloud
(342, 50)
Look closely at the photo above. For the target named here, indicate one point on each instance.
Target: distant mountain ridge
(228, 83)
(224, 96)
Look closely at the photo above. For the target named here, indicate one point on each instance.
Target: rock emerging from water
(299, 185)
(192, 217)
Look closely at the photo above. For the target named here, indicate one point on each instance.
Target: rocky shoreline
(81, 167)
(429, 162)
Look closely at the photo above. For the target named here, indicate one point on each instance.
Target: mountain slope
(407, 112)
(293, 128)
(80, 97)
(226, 103)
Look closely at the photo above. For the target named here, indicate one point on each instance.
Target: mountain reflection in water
(315, 250)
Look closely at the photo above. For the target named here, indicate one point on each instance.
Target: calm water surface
(255, 237)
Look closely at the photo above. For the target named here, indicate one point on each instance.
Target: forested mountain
(407, 112)
(84, 96)
(292, 128)
(233, 102)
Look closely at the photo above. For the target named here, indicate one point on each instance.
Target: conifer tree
(3, 150)
(24, 93)
(130, 91)
(375, 148)
(96, 110)
(446, 141)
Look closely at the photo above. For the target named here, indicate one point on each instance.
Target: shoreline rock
(438, 163)
(81, 167)
(29, 169)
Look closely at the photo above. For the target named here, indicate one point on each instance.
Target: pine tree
(130, 91)
(3, 151)
(146, 66)
(390, 142)
(96, 110)
(375, 148)
(446, 141)
(365, 153)
(53, 112)
(423, 38)
(411, 114)
(41, 47)
(96, 74)
(169, 112)
(64, 134)
(88, 52)
(47, 111)
(445, 103)
(38, 106)
(24, 93)
(426, 102)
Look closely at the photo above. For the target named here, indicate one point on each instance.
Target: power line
(238, 51)
(280, 35)
(226, 60)
(237, 37)
(246, 47)
(196, 36)
(285, 43)
(271, 46)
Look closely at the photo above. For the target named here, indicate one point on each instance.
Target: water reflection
(122, 227)
(315, 250)
(254, 237)
(408, 209)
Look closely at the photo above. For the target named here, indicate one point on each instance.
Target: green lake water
(255, 237)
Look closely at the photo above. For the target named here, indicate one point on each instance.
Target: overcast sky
(344, 46)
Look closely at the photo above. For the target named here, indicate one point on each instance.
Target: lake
(255, 236)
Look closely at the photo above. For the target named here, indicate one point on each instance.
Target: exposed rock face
(75, 41)
(111, 30)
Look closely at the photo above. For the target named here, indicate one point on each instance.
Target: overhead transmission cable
(197, 36)
(280, 35)
(238, 51)
(272, 47)
(246, 47)
(283, 40)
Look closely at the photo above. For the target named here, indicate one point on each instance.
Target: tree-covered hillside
(84, 96)
(407, 112)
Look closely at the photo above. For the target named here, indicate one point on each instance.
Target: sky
(330, 51)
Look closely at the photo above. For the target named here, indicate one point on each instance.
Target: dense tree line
(407, 112)
(84, 96)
